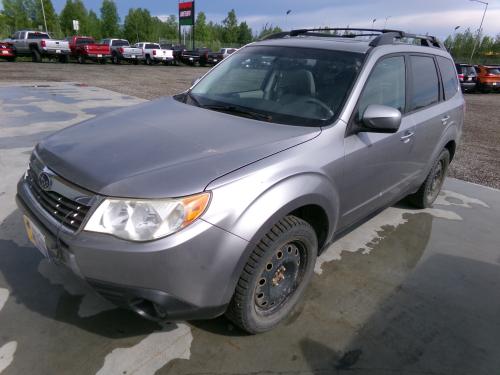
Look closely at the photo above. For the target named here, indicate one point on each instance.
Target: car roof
(348, 44)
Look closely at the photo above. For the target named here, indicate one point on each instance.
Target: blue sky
(437, 17)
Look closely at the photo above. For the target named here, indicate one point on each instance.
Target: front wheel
(429, 190)
(80, 59)
(275, 276)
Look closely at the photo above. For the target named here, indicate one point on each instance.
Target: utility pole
(44, 20)
(453, 36)
(373, 22)
(386, 19)
(480, 28)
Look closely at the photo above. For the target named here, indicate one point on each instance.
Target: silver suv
(223, 205)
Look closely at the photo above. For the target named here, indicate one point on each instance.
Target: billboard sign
(186, 13)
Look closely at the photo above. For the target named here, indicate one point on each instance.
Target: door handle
(406, 138)
(445, 119)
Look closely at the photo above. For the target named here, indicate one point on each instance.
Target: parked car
(153, 53)
(39, 45)
(488, 78)
(121, 51)
(7, 51)
(225, 52)
(176, 50)
(467, 76)
(85, 48)
(201, 56)
(261, 165)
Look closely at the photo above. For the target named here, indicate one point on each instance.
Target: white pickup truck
(121, 51)
(153, 53)
(38, 45)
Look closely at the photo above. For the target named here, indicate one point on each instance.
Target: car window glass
(494, 71)
(449, 77)
(385, 86)
(425, 82)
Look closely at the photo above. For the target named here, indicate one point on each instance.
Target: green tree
(16, 15)
(268, 30)
(110, 21)
(138, 26)
(73, 10)
(94, 25)
(244, 34)
(201, 29)
(230, 25)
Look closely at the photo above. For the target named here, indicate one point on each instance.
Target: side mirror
(380, 119)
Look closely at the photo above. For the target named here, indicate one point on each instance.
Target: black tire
(430, 188)
(102, 61)
(36, 56)
(80, 59)
(114, 59)
(256, 307)
(63, 59)
(148, 60)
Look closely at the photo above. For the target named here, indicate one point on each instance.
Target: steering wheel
(320, 104)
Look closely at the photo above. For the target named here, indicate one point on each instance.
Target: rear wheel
(148, 60)
(429, 190)
(275, 276)
(80, 59)
(36, 56)
(115, 59)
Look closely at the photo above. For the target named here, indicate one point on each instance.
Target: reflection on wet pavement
(409, 291)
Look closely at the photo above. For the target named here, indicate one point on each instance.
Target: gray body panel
(256, 172)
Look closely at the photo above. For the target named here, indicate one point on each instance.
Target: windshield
(295, 86)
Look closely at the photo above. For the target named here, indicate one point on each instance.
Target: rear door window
(449, 77)
(494, 71)
(425, 83)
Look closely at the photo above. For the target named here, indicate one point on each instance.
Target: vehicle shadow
(45, 294)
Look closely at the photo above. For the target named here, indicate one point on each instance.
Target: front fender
(251, 216)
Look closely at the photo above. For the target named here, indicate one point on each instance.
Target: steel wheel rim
(280, 278)
(437, 181)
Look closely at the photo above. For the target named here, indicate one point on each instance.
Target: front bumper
(188, 275)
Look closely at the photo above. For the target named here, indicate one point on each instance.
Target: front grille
(66, 211)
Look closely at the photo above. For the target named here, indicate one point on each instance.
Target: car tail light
(461, 77)
(120, 49)
(42, 43)
(154, 52)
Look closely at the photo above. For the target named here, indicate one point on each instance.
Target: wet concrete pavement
(409, 291)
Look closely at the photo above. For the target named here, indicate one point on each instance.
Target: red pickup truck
(85, 48)
(7, 51)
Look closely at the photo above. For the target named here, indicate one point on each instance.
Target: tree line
(138, 25)
(461, 45)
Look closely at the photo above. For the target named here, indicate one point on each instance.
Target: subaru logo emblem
(44, 181)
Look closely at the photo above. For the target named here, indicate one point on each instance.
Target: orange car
(488, 78)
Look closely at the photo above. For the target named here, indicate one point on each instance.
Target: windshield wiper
(239, 111)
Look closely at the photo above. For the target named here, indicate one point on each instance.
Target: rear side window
(494, 71)
(386, 86)
(449, 77)
(425, 82)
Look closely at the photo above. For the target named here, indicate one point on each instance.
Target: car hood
(162, 148)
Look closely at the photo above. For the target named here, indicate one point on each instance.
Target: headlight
(145, 220)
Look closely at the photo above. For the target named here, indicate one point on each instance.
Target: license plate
(36, 236)
(99, 55)
(133, 56)
(469, 79)
(58, 51)
(215, 60)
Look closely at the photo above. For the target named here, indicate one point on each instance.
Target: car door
(378, 166)
(428, 109)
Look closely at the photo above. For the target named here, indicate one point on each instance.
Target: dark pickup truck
(202, 56)
(85, 48)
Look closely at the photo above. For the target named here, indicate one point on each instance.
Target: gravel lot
(477, 160)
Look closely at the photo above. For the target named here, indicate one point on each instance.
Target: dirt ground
(477, 159)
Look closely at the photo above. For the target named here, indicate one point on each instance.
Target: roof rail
(382, 36)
